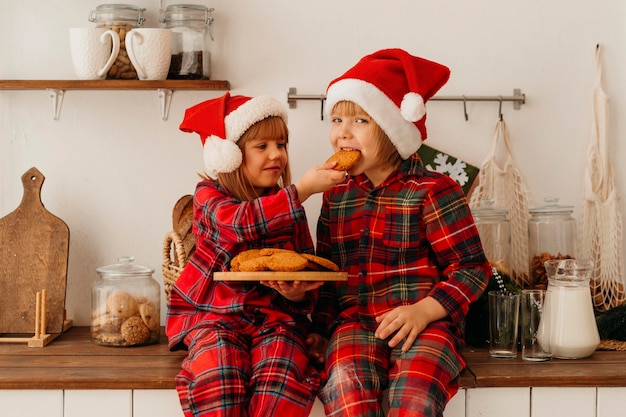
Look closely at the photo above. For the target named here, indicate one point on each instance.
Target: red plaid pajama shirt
(411, 237)
(246, 344)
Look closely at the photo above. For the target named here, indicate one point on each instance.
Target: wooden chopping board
(182, 219)
(34, 248)
(281, 276)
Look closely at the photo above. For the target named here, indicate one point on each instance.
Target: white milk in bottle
(568, 327)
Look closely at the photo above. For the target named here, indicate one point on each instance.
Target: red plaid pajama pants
(361, 367)
(240, 369)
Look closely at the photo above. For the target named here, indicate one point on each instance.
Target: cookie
(272, 251)
(345, 159)
(286, 261)
(134, 331)
(254, 265)
(148, 313)
(321, 262)
(243, 257)
(121, 304)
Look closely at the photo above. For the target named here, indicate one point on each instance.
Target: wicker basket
(611, 344)
(174, 260)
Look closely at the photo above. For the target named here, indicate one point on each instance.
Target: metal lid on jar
(124, 268)
(552, 207)
(187, 12)
(117, 13)
(487, 209)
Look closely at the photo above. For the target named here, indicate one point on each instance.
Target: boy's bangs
(349, 108)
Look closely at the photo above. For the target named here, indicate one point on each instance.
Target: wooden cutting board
(281, 276)
(182, 219)
(34, 248)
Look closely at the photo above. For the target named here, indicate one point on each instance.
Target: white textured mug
(150, 51)
(93, 50)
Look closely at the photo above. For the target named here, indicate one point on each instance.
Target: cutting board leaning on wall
(34, 248)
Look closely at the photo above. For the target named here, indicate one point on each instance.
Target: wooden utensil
(34, 248)
(182, 219)
(281, 276)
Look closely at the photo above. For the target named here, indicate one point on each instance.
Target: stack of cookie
(279, 260)
(126, 320)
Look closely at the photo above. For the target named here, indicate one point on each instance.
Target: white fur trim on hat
(220, 156)
(402, 132)
(250, 112)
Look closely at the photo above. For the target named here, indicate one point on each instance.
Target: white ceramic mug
(150, 51)
(94, 51)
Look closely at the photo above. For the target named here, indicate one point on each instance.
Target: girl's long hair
(235, 183)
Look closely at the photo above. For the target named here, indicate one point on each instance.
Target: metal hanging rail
(518, 98)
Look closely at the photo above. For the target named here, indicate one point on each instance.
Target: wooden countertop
(73, 361)
(602, 369)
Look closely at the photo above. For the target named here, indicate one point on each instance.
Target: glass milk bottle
(568, 327)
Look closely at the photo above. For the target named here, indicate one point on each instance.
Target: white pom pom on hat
(393, 87)
(222, 121)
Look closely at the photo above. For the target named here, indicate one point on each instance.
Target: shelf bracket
(165, 96)
(57, 101)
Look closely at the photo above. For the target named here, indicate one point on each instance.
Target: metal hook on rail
(465, 109)
(500, 109)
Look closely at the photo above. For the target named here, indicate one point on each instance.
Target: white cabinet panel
(498, 402)
(31, 403)
(611, 402)
(570, 402)
(456, 405)
(156, 403)
(98, 403)
(455, 408)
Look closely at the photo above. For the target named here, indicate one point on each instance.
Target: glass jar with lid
(191, 27)
(120, 18)
(551, 235)
(125, 305)
(494, 229)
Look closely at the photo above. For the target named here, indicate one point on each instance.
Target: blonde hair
(235, 183)
(385, 149)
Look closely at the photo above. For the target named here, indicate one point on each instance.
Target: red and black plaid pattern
(236, 367)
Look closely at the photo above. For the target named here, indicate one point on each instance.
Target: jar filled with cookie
(120, 18)
(551, 236)
(125, 305)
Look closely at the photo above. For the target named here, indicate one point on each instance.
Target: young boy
(407, 239)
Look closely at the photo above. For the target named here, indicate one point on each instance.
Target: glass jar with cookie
(120, 18)
(125, 305)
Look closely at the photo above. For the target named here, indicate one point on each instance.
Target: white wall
(114, 169)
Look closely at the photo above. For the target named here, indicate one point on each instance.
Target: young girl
(408, 242)
(246, 341)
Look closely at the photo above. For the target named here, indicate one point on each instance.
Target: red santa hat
(392, 86)
(222, 121)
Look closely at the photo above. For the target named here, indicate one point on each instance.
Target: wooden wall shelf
(56, 88)
(114, 84)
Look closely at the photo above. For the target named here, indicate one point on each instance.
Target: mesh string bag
(499, 180)
(600, 222)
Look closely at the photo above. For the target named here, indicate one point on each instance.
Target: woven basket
(611, 344)
(174, 260)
